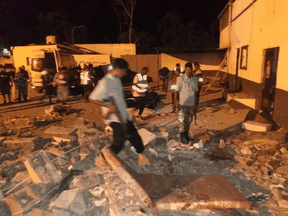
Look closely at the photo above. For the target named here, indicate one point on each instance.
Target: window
(244, 58)
(224, 19)
(28, 61)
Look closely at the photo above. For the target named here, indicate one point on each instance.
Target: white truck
(52, 56)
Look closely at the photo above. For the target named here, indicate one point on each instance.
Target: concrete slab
(256, 126)
(147, 137)
(18, 123)
(174, 193)
(71, 200)
(162, 135)
(42, 170)
(22, 141)
(60, 130)
(63, 138)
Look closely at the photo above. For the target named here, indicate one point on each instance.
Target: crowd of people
(15, 80)
(14, 83)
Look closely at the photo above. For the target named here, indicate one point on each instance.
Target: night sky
(21, 22)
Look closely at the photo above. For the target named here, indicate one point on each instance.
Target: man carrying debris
(139, 90)
(109, 95)
(187, 87)
(61, 80)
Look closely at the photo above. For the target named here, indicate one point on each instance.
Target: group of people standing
(82, 81)
(15, 80)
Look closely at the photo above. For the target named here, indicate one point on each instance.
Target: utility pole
(82, 26)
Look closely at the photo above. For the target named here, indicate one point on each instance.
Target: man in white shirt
(187, 88)
(109, 95)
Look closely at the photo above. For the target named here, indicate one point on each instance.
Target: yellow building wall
(116, 50)
(239, 6)
(224, 38)
(270, 30)
(208, 61)
(241, 36)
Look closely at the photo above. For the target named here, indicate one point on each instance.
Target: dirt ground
(248, 158)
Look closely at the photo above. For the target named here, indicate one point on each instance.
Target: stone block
(71, 200)
(256, 126)
(42, 170)
(60, 130)
(147, 137)
(60, 212)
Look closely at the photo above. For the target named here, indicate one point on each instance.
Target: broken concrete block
(222, 144)
(147, 137)
(162, 135)
(87, 181)
(206, 138)
(20, 176)
(198, 145)
(60, 130)
(42, 170)
(22, 141)
(256, 126)
(39, 212)
(71, 200)
(17, 123)
(284, 151)
(1, 196)
(173, 144)
(79, 123)
(282, 170)
(60, 212)
(25, 198)
(63, 138)
(246, 150)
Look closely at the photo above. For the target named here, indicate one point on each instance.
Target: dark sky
(99, 17)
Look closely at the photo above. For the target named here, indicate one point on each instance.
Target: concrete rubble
(252, 164)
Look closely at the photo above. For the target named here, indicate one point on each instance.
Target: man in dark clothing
(6, 83)
(164, 73)
(47, 79)
(22, 78)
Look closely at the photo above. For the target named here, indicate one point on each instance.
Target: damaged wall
(261, 25)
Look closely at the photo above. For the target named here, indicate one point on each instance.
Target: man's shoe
(183, 138)
(187, 136)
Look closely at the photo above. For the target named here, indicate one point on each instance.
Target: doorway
(269, 79)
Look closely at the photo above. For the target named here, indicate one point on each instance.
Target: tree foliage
(55, 23)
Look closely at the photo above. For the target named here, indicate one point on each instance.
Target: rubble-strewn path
(72, 138)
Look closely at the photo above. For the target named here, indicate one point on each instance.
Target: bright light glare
(5, 51)
(201, 79)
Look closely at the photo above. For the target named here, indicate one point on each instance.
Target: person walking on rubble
(5, 83)
(187, 88)
(61, 80)
(109, 95)
(164, 75)
(175, 105)
(21, 78)
(140, 89)
(86, 82)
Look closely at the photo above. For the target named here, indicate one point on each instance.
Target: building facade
(254, 32)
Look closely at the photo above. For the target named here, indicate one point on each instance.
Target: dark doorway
(237, 83)
(269, 79)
